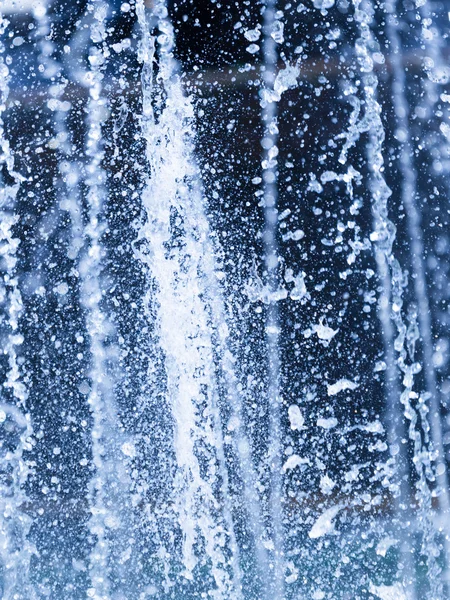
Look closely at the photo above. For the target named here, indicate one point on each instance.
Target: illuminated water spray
(221, 293)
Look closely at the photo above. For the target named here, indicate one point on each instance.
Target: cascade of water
(236, 418)
(15, 550)
(383, 237)
(175, 243)
(109, 487)
(272, 32)
(409, 198)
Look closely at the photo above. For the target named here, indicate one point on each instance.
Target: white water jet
(410, 199)
(383, 236)
(15, 549)
(109, 488)
(185, 337)
(272, 35)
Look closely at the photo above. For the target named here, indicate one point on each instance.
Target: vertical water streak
(241, 442)
(15, 549)
(67, 180)
(434, 62)
(397, 466)
(62, 141)
(438, 72)
(109, 486)
(409, 197)
(176, 244)
(218, 325)
(270, 200)
(383, 237)
(90, 270)
(437, 107)
(396, 430)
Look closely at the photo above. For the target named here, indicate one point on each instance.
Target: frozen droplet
(39, 10)
(286, 79)
(297, 235)
(294, 461)
(277, 33)
(339, 386)
(252, 35)
(374, 427)
(384, 544)
(295, 417)
(62, 289)
(253, 48)
(129, 449)
(324, 332)
(84, 388)
(379, 446)
(293, 575)
(323, 4)
(299, 291)
(389, 592)
(326, 484)
(324, 524)
(327, 423)
(440, 469)
(272, 330)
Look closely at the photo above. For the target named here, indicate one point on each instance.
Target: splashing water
(225, 300)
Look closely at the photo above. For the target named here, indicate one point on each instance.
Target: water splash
(245, 453)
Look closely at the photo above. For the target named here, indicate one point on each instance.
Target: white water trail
(108, 494)
(269, 118)
(396, 432)
(409, 196)
(15, 549)
(177, 253)
(383, 237)
(242, 447)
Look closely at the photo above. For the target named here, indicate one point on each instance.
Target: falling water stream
(225, 300)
